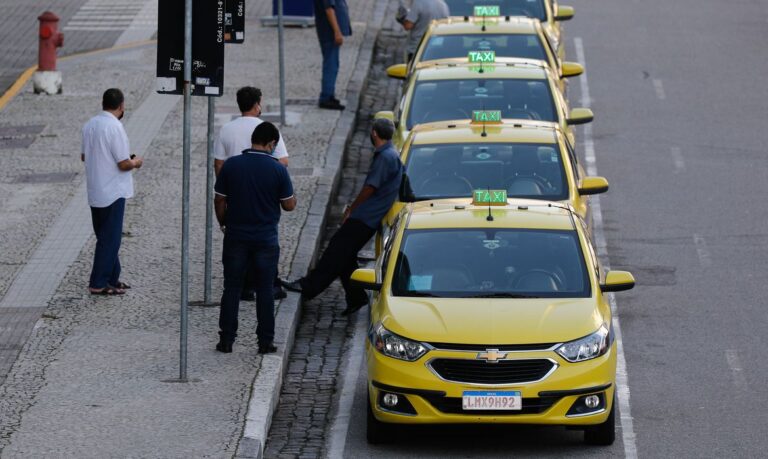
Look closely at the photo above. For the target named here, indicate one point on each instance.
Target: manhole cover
(53, 177)
(14, 137)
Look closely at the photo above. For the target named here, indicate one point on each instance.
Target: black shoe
(352, 309)
(224, 347)
(267, 348)
(331, 104)
(293, 286)
(247, 295)
(278, 293)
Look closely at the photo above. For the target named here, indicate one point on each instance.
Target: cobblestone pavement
(304, 415)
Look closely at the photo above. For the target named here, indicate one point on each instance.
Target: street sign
(207, 47)
(234, 21)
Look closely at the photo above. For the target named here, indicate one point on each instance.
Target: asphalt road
(681, 114)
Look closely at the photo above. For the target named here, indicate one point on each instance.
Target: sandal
(121, 285)
(107, 291)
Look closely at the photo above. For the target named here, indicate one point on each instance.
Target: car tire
(376, 432)
(602, 434)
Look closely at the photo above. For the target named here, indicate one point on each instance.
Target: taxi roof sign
(489, 198)
(481, 57)
(487, 10)
(486, 116)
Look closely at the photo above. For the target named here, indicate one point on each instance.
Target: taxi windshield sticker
(490, 197)
(487, 10)
(486, 116)
(481, 57)
(420, 283)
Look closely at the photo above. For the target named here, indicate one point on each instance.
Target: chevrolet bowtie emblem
(491, 356)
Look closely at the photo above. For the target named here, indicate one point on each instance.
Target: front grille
(498, 347)
(452, 405)
(501, 372)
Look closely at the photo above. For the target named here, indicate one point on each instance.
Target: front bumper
(436, 401)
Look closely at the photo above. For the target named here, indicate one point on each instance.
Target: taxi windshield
(455, 170)
(490, 263)
(529, 8)
(505, 45)
(442, 100)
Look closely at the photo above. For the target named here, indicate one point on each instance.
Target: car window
(505, 45)
(529, 8)
(455, 170)
(461, 263)
(442, 100)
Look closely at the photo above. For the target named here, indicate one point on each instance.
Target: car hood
(492, 321)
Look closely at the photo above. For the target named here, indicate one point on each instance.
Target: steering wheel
(444, 115)
(542, 274)
(541, 181)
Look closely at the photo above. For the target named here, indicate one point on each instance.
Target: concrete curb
(267, 385)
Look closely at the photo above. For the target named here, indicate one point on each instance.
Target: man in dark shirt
(361, 220)
(332, 25)
(250, 190)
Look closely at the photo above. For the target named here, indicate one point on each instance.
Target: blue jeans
(330, 70)
(237, 257)
(108, 226)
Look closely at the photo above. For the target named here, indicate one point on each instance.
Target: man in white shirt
(234, 138)
(416, 20)
(108, 166)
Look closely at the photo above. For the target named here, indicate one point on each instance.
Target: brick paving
(300, 424)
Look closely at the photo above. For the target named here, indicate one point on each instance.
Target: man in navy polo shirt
(332, 25)
(361, 220)
(250, 190)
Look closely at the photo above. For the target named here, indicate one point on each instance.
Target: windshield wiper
(424, 294)
(502, 295)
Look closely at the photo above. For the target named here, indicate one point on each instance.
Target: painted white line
(622, 377)
(659, 87)
(705, 257)
(340, 427)
(677, 157)
(734, 362)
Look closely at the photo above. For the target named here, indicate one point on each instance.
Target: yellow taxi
(528, 159)
(452, 39)
(491, 311)
(520, 89)
(549, 12)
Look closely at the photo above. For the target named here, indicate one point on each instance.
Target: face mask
(122, 113)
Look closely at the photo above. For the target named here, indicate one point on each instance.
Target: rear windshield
(503, 263)
(444, 100)
(509, 45)
(529, 8)
(449, 171)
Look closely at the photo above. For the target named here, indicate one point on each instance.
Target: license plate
(503, 400)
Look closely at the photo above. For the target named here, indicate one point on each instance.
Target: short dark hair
(264, 133)
(247, 97)
(112, 99)
(384, 128)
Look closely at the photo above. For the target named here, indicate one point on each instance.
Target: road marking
(677, 157)
(659, 87)
(106, 16)
(340, 426)
(622, 377)
(739, 380)
(705, 258)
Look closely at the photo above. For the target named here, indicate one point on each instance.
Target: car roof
(522, 131)
(517, 214)
(523, 69)
(473, 25)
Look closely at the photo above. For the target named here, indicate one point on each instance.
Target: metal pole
(209, 205)
(184, 329)
(281, 59)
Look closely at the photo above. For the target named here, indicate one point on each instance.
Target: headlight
(395, 346)
(587, 348)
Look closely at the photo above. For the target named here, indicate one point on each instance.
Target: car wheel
(603, 434)
(376, 432)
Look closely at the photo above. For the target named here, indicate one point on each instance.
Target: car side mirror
(398, 71)
(406, 192)
(593, 185)
(580, 116)
(571, 69)
(365, 278)
(618, 281)
(564, 13)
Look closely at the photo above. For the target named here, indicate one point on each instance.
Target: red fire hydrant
(47, 79)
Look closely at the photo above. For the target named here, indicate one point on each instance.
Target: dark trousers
(330, 52)
(237, 257)
(340, 260)
(108, 226)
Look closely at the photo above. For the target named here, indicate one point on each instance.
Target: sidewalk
(88, 380)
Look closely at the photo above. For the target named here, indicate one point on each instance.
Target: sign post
(184, 329)
(281, 57)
